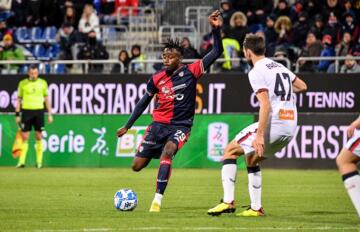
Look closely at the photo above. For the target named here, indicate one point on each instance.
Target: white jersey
(268, 75)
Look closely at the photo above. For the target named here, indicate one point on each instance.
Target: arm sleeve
(139, 109)
(257, 83)
(20, 92)
(45, 91)
(216, 50)
(151, 88)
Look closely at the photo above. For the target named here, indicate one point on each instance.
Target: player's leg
(346, 162)
(164, 174)
(176, 138)
(139, 163)
(39, 150)
(228, 177)
(26, 125)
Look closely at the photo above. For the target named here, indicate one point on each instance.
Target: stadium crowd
(292, 29)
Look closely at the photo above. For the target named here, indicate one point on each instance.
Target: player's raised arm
(299, 85)
(217, 49)
(139, 109)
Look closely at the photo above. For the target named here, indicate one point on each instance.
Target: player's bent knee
(136, 168)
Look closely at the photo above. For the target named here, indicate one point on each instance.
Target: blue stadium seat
(50, 34)
(24, 69)
(44, 68)
(41, 53)
(54, 51)
(22, 35)
(36, 35)
(58, 69)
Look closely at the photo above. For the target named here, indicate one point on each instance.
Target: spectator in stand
(189, 52)
(350, 65)
(283, 9)
(350, 25)
(137, 56)
(239, 28)
(283, 27)
(33, 13)
(227, 11)
(231, 50)
(124, 59)
(122, 8)
(9, 51)
(67, 37)
(18, 8)
(318, 26)
(328, 50)
(313, 8)
(312, 48)
(70, 17)
(333, 28)
(281, 53)
(93, 50)
(301, 29)
(4, 30)
(270, 35)
(258, 10)
(345, 46)
(107, 12)
(332, 7)
(89, 22)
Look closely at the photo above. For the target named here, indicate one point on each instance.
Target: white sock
(352, 185)
(255, 189)
(158, 197)
(228, 176)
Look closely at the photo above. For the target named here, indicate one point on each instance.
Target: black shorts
(157, 135)
(32, 118)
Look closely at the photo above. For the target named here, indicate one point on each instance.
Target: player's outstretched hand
(214, 19)
(50, 119)
(121, 131)
(259, 145)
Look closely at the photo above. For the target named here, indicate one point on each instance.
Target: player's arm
(259, 142)
(217, 49)
(139, 109)
(354, 125)
(17, 110)
(299, 85)
(48, 108)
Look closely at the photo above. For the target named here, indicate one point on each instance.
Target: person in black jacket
(125, 60)
(93, 50)
(189, 51)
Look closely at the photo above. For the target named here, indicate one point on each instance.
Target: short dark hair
(174, 44)
(255, 43)
(33, 66)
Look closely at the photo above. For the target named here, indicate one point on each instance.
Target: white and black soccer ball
(125, 200)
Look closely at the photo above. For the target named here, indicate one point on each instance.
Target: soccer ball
(125, 200)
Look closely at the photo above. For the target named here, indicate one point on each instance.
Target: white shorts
(273, 143)
(353, 144)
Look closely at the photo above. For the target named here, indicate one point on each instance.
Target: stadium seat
(22, 35)
(50, 34)
(36, 35)
(58, 69)
(44, 68)
(54, 51)
(41, 53)
(24, 69)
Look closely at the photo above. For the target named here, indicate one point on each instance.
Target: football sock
(24, 149)
(163, 175)
(228, 177)
(254, 177)
(39, 151)
(158, 197)
(352, 185)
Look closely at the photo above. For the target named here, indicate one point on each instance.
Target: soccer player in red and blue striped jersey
(174, 89)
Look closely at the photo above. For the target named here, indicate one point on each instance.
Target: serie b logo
(128, 143)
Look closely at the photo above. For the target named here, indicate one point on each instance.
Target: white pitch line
(324, 228)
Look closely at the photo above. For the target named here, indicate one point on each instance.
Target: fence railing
(86, 63)
(336, 60)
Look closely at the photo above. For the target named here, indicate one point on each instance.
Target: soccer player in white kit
(274, 86)
(346, 162)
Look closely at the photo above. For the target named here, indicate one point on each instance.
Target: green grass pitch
(70, 200)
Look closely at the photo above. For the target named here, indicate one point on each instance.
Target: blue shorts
(157, 135)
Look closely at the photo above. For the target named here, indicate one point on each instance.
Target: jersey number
(280, 87)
